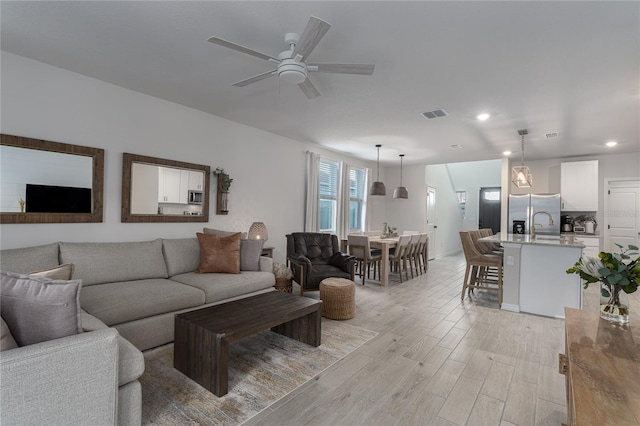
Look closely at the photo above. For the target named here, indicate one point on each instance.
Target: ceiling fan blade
(362, 69)
(313, 33)
(309, 89)
(254, 79)
(225, 43)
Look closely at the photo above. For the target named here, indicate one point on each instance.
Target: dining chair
(476, 275)
(423, 253)
(360, 248)
(398, 256)
(412, 254)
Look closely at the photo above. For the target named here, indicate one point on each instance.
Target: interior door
(622, 218)
(489, 211)
(431, 220)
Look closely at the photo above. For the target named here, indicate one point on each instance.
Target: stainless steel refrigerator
(543, 208)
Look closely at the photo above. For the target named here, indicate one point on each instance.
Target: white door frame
(605, 214)
(432, 226)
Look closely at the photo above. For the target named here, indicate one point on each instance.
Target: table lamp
(258, 232)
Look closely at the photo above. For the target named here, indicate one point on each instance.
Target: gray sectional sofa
(134, 288)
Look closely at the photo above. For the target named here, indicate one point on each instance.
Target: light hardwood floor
(437, 360)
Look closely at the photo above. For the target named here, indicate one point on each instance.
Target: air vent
(456, 146)
(435, 114)
(552, 135)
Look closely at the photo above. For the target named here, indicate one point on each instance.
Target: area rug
(262, 369)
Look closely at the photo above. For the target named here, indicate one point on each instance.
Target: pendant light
(521, 175)
(377, 187)
(401, 191)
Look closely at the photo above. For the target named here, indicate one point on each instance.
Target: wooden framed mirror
(49, 182)
(160, 190)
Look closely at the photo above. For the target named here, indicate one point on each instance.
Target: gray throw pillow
(38, 309)
(250, 251)
(6, 339)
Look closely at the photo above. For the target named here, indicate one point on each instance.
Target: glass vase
(614, 303)
(224, 201)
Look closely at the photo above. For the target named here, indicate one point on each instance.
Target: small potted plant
(284, 278)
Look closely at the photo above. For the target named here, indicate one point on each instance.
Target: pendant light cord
(378, 164)
(522, 152)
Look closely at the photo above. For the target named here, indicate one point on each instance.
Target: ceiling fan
(292, 65)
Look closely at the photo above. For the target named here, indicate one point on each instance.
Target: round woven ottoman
(338, 297)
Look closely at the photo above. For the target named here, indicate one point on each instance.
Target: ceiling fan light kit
(292, 67)
(401, 191)
(377, 187)
(521, 175)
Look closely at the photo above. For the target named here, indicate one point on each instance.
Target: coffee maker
(566, 223)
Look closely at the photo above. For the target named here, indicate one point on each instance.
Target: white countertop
(547, 240)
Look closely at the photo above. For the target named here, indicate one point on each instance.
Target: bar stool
(475, 275)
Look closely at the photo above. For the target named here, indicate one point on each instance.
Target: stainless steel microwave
(195, 197)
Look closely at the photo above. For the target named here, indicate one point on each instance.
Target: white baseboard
(509, 307)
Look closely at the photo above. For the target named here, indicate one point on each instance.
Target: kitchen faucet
(533, 222)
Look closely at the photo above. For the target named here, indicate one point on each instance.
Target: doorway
(431, 220)
(489, 209)
(622, 214)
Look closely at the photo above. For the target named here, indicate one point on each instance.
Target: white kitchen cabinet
(579, 186)
(172, 185)
(592, 245)
(196, 180)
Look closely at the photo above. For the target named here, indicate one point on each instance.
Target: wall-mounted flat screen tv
(57, 199)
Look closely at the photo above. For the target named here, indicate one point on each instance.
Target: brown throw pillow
(219, 254)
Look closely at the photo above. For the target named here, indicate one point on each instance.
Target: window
(462, 202)
(492, 195)
(328, 195)
(357, 194)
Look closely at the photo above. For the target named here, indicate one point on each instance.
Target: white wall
(45, 102)
(409, 214)
(448, 216)
(470, 177)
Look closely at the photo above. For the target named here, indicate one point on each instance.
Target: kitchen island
(535, 278)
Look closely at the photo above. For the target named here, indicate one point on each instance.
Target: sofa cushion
(219, 254)
(6, 338)
(224, 286)
(98, 263)
(181, 255)
(115, 303)
(60, 272)
(24, 260)
(38, 309)
(91, 323)
(250, 251)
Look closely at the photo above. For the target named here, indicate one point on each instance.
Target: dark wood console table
(602, 369)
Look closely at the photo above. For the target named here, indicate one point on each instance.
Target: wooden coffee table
(202, 337)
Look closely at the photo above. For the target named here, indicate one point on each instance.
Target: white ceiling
(566, 67)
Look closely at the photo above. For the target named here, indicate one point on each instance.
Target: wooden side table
(267, 251)
(602, 369)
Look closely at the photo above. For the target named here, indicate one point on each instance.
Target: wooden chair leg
(464, 282)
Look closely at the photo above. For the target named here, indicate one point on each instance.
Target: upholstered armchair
(314, 256)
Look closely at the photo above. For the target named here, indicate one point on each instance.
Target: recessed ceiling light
(506, 153)
(483, 116)
(455, 146)
(611, 143)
